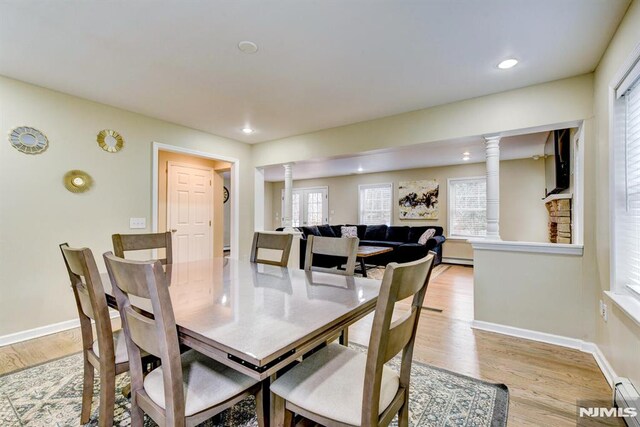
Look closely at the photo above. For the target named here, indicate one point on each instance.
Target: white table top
(258, 312)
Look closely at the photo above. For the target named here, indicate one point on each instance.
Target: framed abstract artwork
(419, 199)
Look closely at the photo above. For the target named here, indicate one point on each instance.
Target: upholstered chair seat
(119, 347)
(206, 383)
(329, 384)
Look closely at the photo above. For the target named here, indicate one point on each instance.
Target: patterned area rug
(50, 395)
(378, 272)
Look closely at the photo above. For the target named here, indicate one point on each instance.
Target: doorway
(189, 197)
(310, 206)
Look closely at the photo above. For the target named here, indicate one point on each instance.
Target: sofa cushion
(382, 243)
(348, 231)
(361, 230)
(397, 233)
(326, 230)
(337, 230)
(410, 252)
(312, 230)
(426, 236)
(415, 233)
(376, 232)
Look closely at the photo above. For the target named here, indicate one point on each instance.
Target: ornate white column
(493, 186)
(288, 200)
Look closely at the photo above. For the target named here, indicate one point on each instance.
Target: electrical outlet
(137, 223)
(605, 312)
(601, 309)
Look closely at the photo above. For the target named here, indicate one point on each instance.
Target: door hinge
(209, 223)
(210, 182)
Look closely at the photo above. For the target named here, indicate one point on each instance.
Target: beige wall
(619, 338)
(539, 292)
(218, 209)
(548, 103)
(37, 213)
(523, 215)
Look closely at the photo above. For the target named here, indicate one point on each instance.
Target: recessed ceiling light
(247, 47)
(360, 169)
(466, 154)
(508, 63)
(466, 158)
(248, 131)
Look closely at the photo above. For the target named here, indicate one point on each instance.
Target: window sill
(459, 238)
(628, 304)
(530, 247)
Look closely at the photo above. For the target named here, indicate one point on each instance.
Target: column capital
(492, 139)
(288, 165)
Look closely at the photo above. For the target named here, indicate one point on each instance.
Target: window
(310, 206)
(375, 204)
(626, 185)
(467, 207)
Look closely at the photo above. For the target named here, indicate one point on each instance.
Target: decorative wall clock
(28, 140)
(225, 192)
(110, 140)
(77, 181)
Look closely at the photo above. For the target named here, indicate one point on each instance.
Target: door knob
(173, 230)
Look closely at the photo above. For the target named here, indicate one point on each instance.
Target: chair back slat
(142, 331)
(389, 338)
(85, 301)
(137, 242)
(273, 241)
(333, 246)
(400, 334)
(131, 278)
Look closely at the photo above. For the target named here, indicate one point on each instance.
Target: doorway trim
(235, 185)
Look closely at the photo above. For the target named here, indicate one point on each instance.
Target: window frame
(377, 185)
(450, 234)
(626, 78)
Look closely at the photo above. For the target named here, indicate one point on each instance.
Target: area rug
(378, 272)
(50, 395)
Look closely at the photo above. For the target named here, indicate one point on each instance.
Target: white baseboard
(461, 261)
(573, 343)
(41, 331)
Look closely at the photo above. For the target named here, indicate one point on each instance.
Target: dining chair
(346, 247)
(187, 388)
(273, 241)
(136, 242)
(106, 354)
(342, 386)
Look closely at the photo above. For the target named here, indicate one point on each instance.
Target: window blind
(375, 204)
(468, 207)
(627, 192)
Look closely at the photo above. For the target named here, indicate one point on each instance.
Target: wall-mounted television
(557, 159)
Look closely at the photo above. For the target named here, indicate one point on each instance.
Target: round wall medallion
(77, 181)
(110, 140)
(225, 191)
(28, 140)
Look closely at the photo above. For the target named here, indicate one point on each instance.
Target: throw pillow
(349, 231)
(426, 236)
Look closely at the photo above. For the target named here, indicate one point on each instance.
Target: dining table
(258, 318)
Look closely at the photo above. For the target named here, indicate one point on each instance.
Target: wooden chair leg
(344, 337)
(107, 397)
(260, 406)
(282, 416)
(137, 414)
(403, 413)
(87, 392)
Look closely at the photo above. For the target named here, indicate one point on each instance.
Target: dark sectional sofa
(403, 240)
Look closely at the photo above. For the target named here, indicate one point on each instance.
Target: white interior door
(190, 211)
(310, 206)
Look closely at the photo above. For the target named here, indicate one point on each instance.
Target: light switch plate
(137, 223)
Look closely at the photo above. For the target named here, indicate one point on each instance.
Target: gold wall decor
(110, 140)
(77, 181)
(225, 193)
(28, 140)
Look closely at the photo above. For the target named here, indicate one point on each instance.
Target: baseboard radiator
(625, 396)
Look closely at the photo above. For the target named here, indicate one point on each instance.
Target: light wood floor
(544, 381)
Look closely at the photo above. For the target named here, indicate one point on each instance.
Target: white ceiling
(320, 64)
(442, 153)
